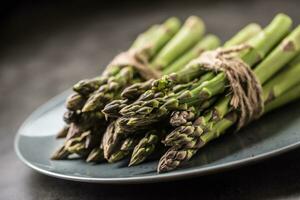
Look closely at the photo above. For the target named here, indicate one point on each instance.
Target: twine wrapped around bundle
(138, 59)
(247, 94)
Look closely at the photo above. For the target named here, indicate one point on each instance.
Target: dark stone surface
(45, 49)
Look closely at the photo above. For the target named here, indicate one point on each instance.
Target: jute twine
(245, 88)
(138, 59)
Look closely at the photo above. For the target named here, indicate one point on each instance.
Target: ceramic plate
(275, 133)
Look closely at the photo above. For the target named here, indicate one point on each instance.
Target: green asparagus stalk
(75, 102)
(266, 40)
(145, 147)
(78, 145)
(96, 155)
(87, 86)
(295, 60)
(63, 132)
(110, 90)
(209, 42)
(146, 37)
(61, 154)
(289, 96)
(134, 91)
(74, 145)
(89, 123)
(191, 32)
(244, 34)
(126, 147)
(287, 50)
(179, 118)
(272, 90)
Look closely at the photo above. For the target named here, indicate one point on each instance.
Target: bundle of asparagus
(123, 112)
(161, 45)
(161, 102)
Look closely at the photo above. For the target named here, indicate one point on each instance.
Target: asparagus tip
(60, 154)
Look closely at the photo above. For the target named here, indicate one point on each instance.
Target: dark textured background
(46, 47)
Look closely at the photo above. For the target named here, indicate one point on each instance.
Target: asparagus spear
(272, 90)
(63, 132)
(137, 89)
(87, 86)
(179, 118)
(244, 34)
(295, 60)
(192, 31)
(73, 145)
(145, 147)
(77, 145)
(88, 123)
(126, 147)
(75, 102)
(209, 42)
(289, 96)
(96, 155)
(60, 154)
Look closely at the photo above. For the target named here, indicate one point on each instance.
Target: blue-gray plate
(273, 134)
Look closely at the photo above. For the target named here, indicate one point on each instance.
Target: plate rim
(179, 175)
